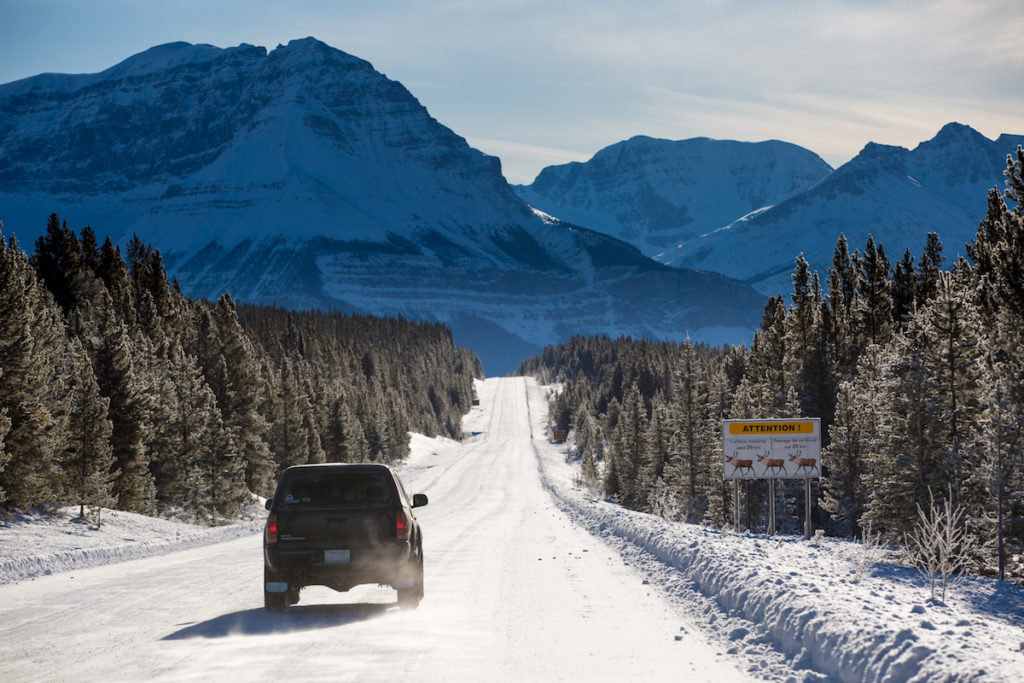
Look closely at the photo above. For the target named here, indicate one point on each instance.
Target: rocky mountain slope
(657, 193)
(304, 177)
(894, 194)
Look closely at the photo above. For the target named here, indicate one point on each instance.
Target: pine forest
(118, 391)
(915, 371)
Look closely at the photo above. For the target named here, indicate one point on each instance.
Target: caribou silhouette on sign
(738, 465)
(810, 464)
(774, 465)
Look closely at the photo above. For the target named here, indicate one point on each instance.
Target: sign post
(736, 505)
(807, 508)
(773, 449)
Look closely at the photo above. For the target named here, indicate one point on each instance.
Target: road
(514, 592)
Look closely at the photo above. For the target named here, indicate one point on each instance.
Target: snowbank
(39, 544)
(800, 610)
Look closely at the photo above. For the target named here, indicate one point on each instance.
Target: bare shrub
(939, 545)
(872, 551)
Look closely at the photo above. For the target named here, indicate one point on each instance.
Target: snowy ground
(41, 544)
(528, 578)
(792, 609)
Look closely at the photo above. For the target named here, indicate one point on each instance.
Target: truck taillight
(401, 526)
(270, 531)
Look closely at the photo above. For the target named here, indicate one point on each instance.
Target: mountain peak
(310, 50)
(162, 57)
(956, 137)
(656, 193)
(956, 130)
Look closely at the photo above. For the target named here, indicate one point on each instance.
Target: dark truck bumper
(294, 568)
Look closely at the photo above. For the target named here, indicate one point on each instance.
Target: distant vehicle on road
(340, 526)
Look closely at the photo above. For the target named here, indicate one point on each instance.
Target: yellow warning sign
(772, 427)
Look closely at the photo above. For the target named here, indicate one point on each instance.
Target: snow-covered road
(514, 591)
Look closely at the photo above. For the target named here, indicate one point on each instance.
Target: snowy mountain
(305, 178)
(894, 194)
(657, 193)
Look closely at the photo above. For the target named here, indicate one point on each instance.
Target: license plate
(337, 556)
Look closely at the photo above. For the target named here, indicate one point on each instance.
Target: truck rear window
(337, 490)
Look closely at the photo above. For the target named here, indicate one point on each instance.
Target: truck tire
(273, 602)
(409, 598)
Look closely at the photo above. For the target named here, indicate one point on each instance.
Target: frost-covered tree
(113, 273)
(934, 411)
(807, 348)
(929, 268)
(717, 491)
(904, 288)
(874, 305)
(629, 443)
(238, 395)
(114, 363)
(590, 445)
(999, 476)
(768, 355)
(88, 463)
(658, 447)
(856, 436)
(841, 327)
(32, 344)
(343, 439)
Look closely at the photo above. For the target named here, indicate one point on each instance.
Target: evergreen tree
(998, 256)
(718, 491)
(768, 355)
(934, 412)
(590, 446)
(658, 447)
(237, 396)
(31, 347)
(1000, 472)
(88, 462)
(690, 471)
(343, 440)
(90, 250)
(114, 362)
(856, 434)
(874, 306)
(5, 427)
(904, 289)
(807, 348)
(57, 262)
(842, 327)
(954, 353)
(113, 273)
(929, 268)
(629, 443)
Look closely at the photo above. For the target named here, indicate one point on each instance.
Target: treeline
(916, 372)
(118, 391)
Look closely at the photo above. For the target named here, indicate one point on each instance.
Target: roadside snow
(33, 545)
(797, 610)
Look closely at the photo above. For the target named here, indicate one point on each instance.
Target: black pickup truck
(340, 526)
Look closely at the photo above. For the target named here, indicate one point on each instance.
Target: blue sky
(540, 82)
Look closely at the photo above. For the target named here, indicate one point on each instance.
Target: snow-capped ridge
(163, 57)
(892, 193)
(655, 193)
